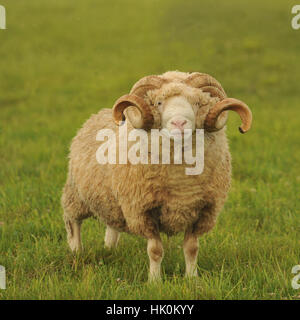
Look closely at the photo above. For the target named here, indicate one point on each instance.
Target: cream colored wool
(148, 199)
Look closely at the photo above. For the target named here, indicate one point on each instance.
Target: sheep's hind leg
(112, 237)
(74, 212)
(73, 234)
(190, 250)
(155, 253)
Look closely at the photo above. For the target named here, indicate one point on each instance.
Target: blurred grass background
(61, 60)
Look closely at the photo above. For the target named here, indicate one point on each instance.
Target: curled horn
(147, 83)
(214, 121)
(139, 112)
(206, 83)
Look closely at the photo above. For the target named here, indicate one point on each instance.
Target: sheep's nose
(179, 124)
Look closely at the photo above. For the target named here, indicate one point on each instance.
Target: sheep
(149, 199)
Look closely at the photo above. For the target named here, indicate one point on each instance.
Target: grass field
(62, 60)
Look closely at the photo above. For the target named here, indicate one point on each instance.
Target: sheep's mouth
(178, 134)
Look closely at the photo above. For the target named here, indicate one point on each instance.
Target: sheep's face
(178, 106)
(177, 114)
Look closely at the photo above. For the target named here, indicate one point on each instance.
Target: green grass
(61, 60)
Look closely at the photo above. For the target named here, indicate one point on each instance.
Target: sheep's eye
(159, 103)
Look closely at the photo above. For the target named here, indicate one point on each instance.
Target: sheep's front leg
(111, 238)
(190, 250)
(73, 232)
(155, 252)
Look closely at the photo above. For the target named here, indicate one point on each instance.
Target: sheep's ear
(134, 116)
(215, 119)
(201, 115)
